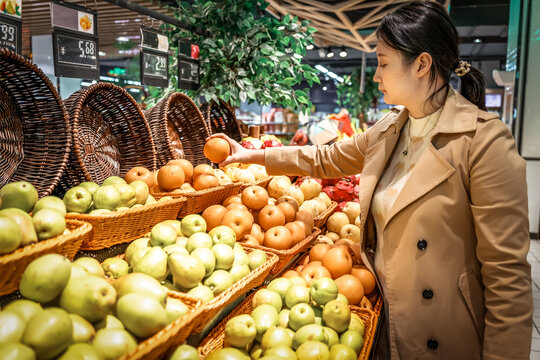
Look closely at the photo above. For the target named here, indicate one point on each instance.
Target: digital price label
(188, 65)
(75, 55)
(10, 33)
(154, 58)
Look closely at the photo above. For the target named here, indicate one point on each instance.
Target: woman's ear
(423, 64)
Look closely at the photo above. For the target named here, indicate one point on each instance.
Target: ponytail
(473, 88)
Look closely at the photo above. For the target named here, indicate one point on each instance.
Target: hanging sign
(11, 25)
(75, 41)
(154, 57)
(188, 65)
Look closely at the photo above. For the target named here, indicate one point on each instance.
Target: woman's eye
(382, 65)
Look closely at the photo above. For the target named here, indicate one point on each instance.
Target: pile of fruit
(245, 173)
(342, 189)
(17, 227)
(71, 311)
(262, 143)
(292, 321)
(185, 257)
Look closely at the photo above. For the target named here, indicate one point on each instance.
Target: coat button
(427, 294)
(432, 344)
(421, 244)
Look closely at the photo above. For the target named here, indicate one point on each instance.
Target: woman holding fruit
(444, 223)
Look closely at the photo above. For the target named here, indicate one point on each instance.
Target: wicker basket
(215, 340)
(179, 130)
(287, 256)
(35, 134)
(173, 335)
(12, 265)
(320, 220)
(220, 118)
(263, 182)
(110, 135)
(123, 226)
(198, 201)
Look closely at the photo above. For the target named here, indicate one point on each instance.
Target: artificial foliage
(350, 97)
(249, 55)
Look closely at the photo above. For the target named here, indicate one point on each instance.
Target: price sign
(10, 33)
(188, 65)
(154, 58)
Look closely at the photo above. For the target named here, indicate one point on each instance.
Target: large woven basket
(320, 220)
(35, 135)
(286, 257)
(12, 265)
(172, 336)
(215, 340)
(221, 119)
(124, 226)
(262, 182)
(179, 130)
(110, 135)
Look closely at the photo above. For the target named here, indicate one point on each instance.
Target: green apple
(179, 249)
(24, 221)
(100, 212)
(342, 352)
(313, 350)
(21, 195)
(113, 180)
(142, 243)
(238, 271)
(111, 344)
(24, 308)
(219, 281)
(300, 315)
(352, 339)
(137, 255)
(77, 271)
(280, 285)
(10, 235)
(224, 256)
(48, 223)
(185, 352)
(228, 354)
(309, 332)
(90, 186)
(187, 271)
(182, 241)
(142, 315)
(336, 315)
(165, 198)
(141, 284)
(141, 191)
(150, 200)
(115, 268)
(77, 199)
(192, 224)
(91, 265)
(199, 240)
(109, 322)
(282, 352)
(265, 317)
(265, 296)
(91, 297)
(175, 309)
(11, 327)
(81, 351)
(356, 324)
(83, 331)
(16, 351)
(332, 335)
(107, 197)
(323, 290)
(342, 298)
(296, 294)
(284, 318)
(240, 331)
(50, 202)
(153, 263)
(256, 352)
(276, 336)
(240, 256)
(256, 259)
(45, 277)
(49, 333)
(176, 224)
(207, 257)
(202, 292)
(128, 195)
(223, 235)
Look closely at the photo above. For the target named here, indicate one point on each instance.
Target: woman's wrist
(251, 157)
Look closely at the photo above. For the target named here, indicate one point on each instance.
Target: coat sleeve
(498, 191)
(320, 161)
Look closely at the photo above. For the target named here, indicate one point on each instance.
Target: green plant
(350, 97)
(249, 55)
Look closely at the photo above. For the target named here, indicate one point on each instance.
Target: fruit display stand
(320, 220)
(220, 118)
(31, 109)
(110, 135)
(286, 257)
(173, 335)
(124, 226)
(12, 265)
(198, 201)
(178, 129)
(215, 340)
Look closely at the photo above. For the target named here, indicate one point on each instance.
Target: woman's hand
(239, 154)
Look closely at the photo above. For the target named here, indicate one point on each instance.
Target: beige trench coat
(456, 241)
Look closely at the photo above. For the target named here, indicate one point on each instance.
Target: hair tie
(463, 68)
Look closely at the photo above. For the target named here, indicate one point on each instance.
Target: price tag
(188, 65)
(10, 33)
(154, 58)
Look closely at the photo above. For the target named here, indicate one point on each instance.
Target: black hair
(425, 26)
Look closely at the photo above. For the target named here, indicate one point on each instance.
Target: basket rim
(292, 251)
(329, 210)
(194, 194)
(227, 108)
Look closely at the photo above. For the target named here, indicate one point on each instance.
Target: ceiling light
(477, 41)
(321, 68)
(330, 52)
(324, 88)
(310, 47)
(322, 53)
(343, 52)
(101, 53)
(122, 39)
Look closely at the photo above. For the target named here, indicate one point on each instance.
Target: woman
(444, 222)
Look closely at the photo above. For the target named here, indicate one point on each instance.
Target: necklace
(406, 151)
